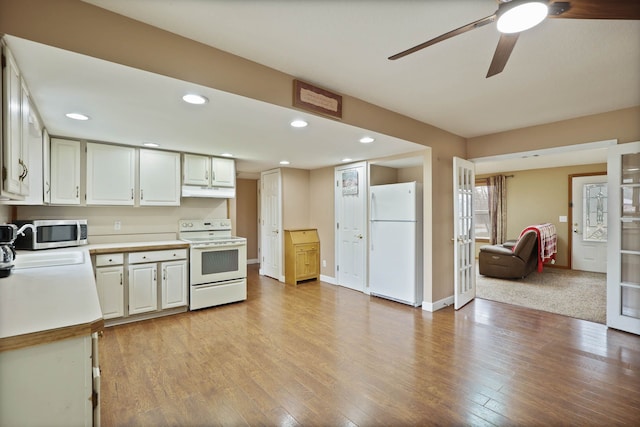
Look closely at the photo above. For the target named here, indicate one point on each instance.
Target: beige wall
(295, 198)
(247, 214)
(542, 195)
(379, 175)
(623, 125)
(321, 215)
(137, 223)
(5, 214)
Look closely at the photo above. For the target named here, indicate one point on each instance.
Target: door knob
(359, 236)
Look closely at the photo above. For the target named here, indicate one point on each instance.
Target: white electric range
(218, 262)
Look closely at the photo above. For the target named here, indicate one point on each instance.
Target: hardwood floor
(319, 354)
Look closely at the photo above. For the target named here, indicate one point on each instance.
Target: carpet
(578, 294)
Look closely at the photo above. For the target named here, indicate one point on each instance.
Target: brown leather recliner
(503, 262)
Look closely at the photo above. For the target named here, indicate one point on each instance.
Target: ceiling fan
(515, 16)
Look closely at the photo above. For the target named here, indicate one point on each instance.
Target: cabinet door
(65, 172)
(223, 172)
(306, 261)
(110, 174)
(159, 178)
(46, 167)
(196, 170)
(143, 288)
(174, 284)
(109, 281)
(12, 138)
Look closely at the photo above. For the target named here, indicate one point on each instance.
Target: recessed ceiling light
(77, 116)
(346, 159)
(226, 155)
(284, 162)
(151, 144)
(192, 98)
(366, 139)
(299, 123)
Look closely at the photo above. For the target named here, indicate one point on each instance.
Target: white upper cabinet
(159, 178)
(208, 171)
(196, 170)
(110, 174)
(14, 147)
(223, 172)
(65, 172)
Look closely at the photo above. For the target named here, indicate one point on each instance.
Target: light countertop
(44, 304)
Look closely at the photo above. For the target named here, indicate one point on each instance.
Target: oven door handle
(225, 246)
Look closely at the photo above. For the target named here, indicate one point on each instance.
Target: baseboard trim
(438, 305)
(328, 279)
(253, 261)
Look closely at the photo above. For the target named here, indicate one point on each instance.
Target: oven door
(217, 262)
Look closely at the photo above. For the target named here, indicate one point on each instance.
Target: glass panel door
(623, 270)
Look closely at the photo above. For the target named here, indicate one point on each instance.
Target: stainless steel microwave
(47, 234)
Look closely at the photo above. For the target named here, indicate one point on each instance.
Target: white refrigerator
(395, 250)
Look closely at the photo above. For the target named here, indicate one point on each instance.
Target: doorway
(588, 222)
(271, 224)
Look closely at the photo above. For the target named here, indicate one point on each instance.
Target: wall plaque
(317, 100)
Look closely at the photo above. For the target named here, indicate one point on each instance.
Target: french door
(464, 235)
(623, 266)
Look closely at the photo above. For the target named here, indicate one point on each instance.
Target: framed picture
(349, 182)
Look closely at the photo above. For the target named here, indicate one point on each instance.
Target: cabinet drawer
(109, 259)
(153, 256)
(307, 247)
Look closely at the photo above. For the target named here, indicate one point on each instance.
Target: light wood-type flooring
(319, 354)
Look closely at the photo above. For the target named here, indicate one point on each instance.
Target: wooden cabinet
(110, 174)
(159, 178)
(302, 255)
(64, 172)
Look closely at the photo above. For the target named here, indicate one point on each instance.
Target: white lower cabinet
(110, 283)
(142, 284)
(174, 284)
(65, 373)
(143, 288)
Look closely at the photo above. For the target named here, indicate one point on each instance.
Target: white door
(271, 213)
(351, 220)
(463, 229)
(589, 223)
(623, 267)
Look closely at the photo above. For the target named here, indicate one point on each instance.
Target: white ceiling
(561, 69)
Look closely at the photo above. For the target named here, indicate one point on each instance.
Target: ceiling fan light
(519, 16)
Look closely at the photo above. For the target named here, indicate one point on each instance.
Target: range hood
(211, 192)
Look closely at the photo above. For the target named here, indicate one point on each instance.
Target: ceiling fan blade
(596, 9)
(472, 26)
(502, 53)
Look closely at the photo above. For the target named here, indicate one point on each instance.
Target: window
(481, 210)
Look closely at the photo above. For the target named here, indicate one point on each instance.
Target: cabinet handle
(132, 194)
(77, 191)
(206, 175)
(26, 170)
(141, 194)
(155, 275)
(48, 187)
(164, 274)
(213, 175)
(120, 279)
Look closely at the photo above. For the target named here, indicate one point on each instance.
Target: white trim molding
(435, 306)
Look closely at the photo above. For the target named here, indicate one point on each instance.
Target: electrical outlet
(324, 262)
(117, 225)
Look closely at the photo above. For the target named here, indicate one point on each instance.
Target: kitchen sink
(48, 259)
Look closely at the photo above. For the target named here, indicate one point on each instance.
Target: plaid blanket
(547, 243)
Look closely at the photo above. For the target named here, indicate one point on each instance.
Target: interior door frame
(570, 213)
